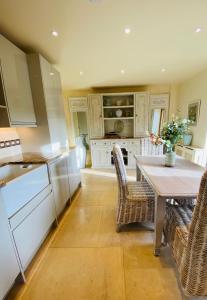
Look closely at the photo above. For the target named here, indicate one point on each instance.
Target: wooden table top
(183, 180)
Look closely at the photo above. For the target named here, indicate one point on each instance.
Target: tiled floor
(85, 259)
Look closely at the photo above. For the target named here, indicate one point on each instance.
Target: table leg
(160, 207)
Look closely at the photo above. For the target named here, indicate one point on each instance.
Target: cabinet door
(95, 116)
(141, 114)
(73, 171)
(8, 261)
(15, 77)
(59, 179)
(134, 149)
(101, 157)
(54, 105)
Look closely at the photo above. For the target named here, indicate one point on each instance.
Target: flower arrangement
(171, 133)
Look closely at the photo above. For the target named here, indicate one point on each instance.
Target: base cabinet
(101, 152)
(8, 260)
(33, 229)
(73, 172)
(59, 178)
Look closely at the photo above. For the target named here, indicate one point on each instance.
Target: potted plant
(171, 133)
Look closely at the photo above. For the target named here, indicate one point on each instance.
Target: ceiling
(92, 38)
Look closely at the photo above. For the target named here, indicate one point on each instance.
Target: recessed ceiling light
(127, 30)
(51, 73)
(81, 73)
(198, 29)
(95, 1)
(54, 33)
(163, 70)
(122, 71)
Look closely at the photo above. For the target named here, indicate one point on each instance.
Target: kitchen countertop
(33, 158)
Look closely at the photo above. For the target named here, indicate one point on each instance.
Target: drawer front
(29, 207)
(31, 183)
(101, 143)
(31, 232)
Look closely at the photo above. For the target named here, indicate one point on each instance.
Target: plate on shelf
(118, 126)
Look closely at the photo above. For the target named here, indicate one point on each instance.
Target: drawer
(101, 143)
(15, 220)
(29, 235)
(15, 197)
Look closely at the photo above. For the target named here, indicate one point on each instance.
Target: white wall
(188, 92)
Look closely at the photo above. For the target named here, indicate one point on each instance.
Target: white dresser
(101, 151)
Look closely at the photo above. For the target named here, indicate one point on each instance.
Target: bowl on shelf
(119, 102)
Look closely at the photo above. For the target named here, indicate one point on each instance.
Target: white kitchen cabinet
(134, 149)
(95, 116)
(101, 157)
(59, 177)
(193, 153)
(141, 122)
(54, 104)
(73, 172)
(51, 132)
(16, 86)
(101, 152)
(31, 232)
(8, 260)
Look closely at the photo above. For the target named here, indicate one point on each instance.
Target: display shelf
(120, 106)
(119, 118)
(2, 106)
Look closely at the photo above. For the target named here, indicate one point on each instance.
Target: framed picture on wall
(194, 111)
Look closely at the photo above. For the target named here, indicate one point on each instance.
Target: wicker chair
(136, 199)
(186, 233)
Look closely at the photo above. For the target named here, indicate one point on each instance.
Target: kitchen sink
(11, 171)
(23, 183)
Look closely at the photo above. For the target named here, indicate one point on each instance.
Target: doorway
(80, 126)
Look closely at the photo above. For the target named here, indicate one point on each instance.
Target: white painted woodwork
(141, 122)
(73, 172)
(159, 101)
(32, 231)
(22, 189)
(78, 104)
(192, 153)
(95, 116)
(101, 151)
(15, 77)
(60, 182)
(8, 260)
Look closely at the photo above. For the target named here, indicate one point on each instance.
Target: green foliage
(173, 131)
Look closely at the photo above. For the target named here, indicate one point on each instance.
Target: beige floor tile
(148, 277)
(79, 274)
(80, 229)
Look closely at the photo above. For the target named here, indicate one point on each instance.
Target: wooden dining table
(179, 182)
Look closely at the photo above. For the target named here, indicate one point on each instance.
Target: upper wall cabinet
(95, 116)
(16, 104)
(141, 114)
